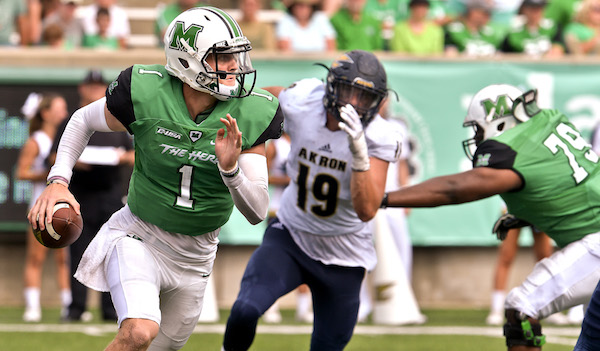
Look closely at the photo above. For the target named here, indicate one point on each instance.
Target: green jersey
(483, 42)
(538, 41)
(561, 182)
(351, 35)
(176, 184)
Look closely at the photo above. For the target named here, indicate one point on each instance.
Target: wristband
(384, 201)
(229, 174)
(58, 180)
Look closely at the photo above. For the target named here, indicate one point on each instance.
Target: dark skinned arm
(472, 185)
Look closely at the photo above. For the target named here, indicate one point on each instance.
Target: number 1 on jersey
(185, 193)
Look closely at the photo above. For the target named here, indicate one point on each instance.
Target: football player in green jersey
(200, 131)
(547, 174)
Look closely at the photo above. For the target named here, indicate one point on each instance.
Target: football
(65, 228)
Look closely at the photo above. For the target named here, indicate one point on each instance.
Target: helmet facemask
(365, 100)
(224, 69)
(470, 145)
(359, 79)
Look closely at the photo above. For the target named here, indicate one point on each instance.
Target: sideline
(554, 335)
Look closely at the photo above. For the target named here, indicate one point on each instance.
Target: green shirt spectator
(562, 11)
(429, 41)
(473, 35)
(533, 34)
(167, 13)
(356, 28)
(536, 41)
(396, 10)
(96, 41)
(417, 35)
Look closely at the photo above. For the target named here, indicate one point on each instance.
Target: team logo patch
(483, 160)
(169, 133)
(112, 87)
(189, 34)
(503, 106)
(195, 135)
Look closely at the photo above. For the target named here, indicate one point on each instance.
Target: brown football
(65, 228)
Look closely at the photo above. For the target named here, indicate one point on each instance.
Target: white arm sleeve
(78, 131)
(249, 188)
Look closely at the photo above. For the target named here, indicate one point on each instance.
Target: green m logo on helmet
(503, 106)
(189, 35)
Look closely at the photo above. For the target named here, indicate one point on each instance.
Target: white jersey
(316, 206)
(44, 143)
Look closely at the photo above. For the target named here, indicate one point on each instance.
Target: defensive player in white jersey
(338, 162)
(192, 165)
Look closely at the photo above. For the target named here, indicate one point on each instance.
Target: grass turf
(93, 340)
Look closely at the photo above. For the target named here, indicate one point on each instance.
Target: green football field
(446, 330)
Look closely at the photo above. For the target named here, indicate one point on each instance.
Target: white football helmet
(202, 36)
(490, 113)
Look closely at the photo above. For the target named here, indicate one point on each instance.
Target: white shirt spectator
(119, 22)
(312, 38)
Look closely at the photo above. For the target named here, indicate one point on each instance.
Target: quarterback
(337, 164)
(200, 130)
(548, 176)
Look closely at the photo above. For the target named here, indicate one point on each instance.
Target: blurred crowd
(549, 28)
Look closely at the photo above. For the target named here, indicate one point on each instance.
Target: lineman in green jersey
(200, 130)
(547, 174)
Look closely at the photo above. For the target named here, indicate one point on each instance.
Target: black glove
(506, 222)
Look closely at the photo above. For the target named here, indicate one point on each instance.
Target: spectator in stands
(388, 13)
(45, 112)
(13, 17)
(165, 14)
(472, 35)
(99, 183)
(356, 29)
(303, 28)
(562, 12)
(582, 37)
(330, 7)
(71, 25)
(502, 12)
(53, 36)
(533, 34)
(261, 34)
(33, 20)
(119, 21)
(418, 35)
(102, 39)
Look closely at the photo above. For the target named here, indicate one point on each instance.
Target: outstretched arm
(475, 184)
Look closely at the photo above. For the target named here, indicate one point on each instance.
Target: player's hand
(41, 212)
(506, 222)
(352, 125)
(228, 146)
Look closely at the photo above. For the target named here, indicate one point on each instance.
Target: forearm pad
(76, 136)
(249, 187)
